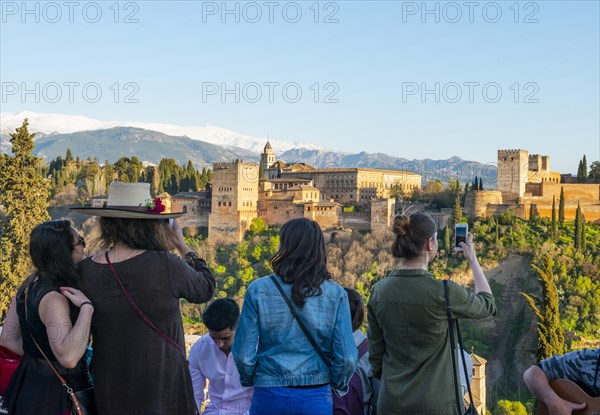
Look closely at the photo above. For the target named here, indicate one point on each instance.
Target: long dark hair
(51, 250)
(148, 234)
(301, 259)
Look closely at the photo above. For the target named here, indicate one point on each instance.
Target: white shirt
(226, 394)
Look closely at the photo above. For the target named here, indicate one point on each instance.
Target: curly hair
(301, 259)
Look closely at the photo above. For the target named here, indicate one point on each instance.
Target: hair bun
(401, 225)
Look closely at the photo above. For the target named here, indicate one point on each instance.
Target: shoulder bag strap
(60, 378)
(464, 364)
(452, 347)
(363, 348)
(300, 323)
(137, 309)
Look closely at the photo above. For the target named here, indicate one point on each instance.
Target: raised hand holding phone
(460, 235)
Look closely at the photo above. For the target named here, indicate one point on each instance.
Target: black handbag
(83, 400)
(471, 410)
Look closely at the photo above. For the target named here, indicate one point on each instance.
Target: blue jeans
(292, 401)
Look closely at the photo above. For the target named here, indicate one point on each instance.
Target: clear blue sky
(376, 57)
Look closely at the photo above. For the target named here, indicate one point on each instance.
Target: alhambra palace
(361, 198)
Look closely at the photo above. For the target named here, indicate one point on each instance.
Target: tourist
(56, 318)
(135, 284)
(211, 360)
(408, 331)
(272, 352)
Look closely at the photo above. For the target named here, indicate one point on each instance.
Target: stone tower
(267, 157)
(234, 200)
(478, 383)
(513, 167)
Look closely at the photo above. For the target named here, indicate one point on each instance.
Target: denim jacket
(271, 350)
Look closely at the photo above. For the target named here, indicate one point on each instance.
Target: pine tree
(480, 184)
(551, 339)
(69, 155)
(561, 207)
(553, 228)
(24, 196)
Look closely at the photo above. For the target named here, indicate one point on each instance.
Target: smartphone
(460, 235)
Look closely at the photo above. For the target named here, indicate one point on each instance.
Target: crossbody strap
(62, 381)
(140, 312)
(300, 323)
(452, 348)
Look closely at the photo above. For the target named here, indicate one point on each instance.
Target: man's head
(221, 318)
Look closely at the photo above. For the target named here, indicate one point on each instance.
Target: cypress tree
(24, 195)
(584, 167)
(447, 240)
(532, 212)
(551, 339)
(561, 206)
(553, 229)
(458, 212)
(582, 232)
(580, 172)
(480, 184)
(577, 233)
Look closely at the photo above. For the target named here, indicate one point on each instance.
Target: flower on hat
(155, 206)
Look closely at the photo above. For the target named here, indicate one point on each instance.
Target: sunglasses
(80, 241)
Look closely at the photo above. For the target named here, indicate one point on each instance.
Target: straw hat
(129, 201)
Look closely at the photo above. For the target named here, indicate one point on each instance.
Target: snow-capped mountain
(62, 123)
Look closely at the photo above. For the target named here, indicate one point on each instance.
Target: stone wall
(476, 202)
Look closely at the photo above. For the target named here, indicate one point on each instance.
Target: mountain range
(149, 142)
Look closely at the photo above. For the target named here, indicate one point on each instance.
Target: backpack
(353, 402)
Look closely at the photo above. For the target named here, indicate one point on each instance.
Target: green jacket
(409, 345)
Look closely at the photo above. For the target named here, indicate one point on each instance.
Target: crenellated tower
(513, 167)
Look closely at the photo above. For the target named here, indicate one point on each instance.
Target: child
(362, 383)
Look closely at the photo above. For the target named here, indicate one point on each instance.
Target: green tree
(257, 226)
(533, 212)
(595, 171)
(580, 172)
(480, 184)
(457, 215)
(553, 228)
(69, 156)
(447, 240)
(578, 228)
(505, 407)
(551, 339)
(434, 186)
(24, 194)
(584, 167)
(561, 206)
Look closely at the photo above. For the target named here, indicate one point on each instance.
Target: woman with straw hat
(135, 284)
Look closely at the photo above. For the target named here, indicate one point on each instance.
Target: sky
(410, 79)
